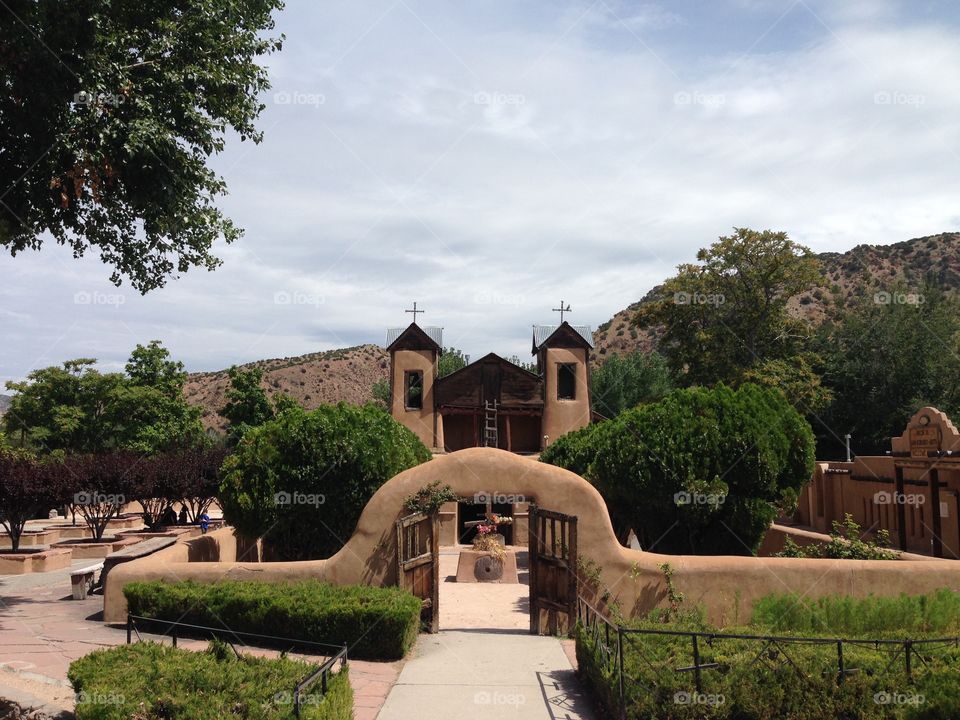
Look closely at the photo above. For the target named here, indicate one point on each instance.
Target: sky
(488, 159)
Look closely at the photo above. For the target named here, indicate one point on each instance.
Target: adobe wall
(725, 586)
(422, 420)
(563, 416)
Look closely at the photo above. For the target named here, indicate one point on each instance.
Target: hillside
(326, 377)
(4, 403)
(846, 276)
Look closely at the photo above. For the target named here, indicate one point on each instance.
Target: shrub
(700, 471)
(149, 681)
(333, 459)
(747, 679)
(375, 623)
(846, 543)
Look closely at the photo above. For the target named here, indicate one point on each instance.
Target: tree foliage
(301, 480)
(701, 471)
(247, 403)
(623, 382)
(76, 408)
(110, 114)
(450, 361)
(885, 358)
(728, 313)
(28, 489)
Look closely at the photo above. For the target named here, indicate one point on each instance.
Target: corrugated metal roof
(542, 332)
(434, 333)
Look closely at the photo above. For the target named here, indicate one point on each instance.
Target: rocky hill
(845, 277)
(326, 377)
(349, 374)
(4, 403)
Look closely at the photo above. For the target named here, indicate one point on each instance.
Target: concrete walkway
(464, 675)
(484, 663)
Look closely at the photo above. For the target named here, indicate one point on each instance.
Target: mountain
(325, 377)
(846, 277)
(4, 403)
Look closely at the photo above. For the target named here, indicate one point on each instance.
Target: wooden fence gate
(553, 571)
(418, 563)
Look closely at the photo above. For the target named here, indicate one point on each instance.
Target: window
(414, 389)
(566, 381)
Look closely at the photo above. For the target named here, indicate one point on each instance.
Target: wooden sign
(924, 439)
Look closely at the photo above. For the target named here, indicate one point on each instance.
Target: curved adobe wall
(724, 585)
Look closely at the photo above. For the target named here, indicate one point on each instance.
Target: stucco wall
(726, 586)
(563, 416)
(421, 421)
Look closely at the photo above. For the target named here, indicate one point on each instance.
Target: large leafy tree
(28, 489)
(623, 382)
(895, 352)
(300, 481)
(247, 403)
(76, 408)
(728, 312)
(110, 112)
(702, 471)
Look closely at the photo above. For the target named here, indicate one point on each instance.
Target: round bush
(300, 481)
(700, 472)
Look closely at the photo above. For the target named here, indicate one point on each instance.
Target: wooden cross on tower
(415, 311)
(562, 310)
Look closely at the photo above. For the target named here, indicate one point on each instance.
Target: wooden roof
(487, 379)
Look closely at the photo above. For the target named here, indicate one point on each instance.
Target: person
(182, 517)
(204, 522)
(169, 517)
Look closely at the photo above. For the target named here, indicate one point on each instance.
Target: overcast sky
(488, 158)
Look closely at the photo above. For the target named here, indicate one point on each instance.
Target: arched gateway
(634, 579)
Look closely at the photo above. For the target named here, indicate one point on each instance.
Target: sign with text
(924, 439)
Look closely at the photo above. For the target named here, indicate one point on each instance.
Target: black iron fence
(639, 660)
(175, 630)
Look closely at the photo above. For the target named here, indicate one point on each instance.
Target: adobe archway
(723, 585)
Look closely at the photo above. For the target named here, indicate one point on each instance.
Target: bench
(83, 580)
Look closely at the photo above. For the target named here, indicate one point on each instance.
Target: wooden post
(435, 570)
(934, 482)
(509, 441)
(901, 510)
(533, 548)
(572, 575)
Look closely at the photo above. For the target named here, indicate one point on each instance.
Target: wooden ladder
(490, 436)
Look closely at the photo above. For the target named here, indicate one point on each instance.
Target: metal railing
(171, 629)
(611, 641)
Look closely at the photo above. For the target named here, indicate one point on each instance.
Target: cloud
(488, 159)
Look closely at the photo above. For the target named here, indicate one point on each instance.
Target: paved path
(484, 663)
(474, 675)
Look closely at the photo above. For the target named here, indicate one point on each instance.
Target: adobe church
(491, 402)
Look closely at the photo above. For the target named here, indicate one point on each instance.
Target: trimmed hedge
(149, 681)
(375, 623)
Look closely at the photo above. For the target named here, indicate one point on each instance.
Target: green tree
(76, 408)
(300, 481)
(885, 359)
(728, 313)
(701, 471)
(381, 394)
(110, 113)
(450, 361)
(623, 382)
(247, 403)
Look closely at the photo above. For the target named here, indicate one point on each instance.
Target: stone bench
(134, 552)
(83, 580)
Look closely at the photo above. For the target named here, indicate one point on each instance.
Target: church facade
(491, 402)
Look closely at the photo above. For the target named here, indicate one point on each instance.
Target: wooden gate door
(418, 563)
(553, 571)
